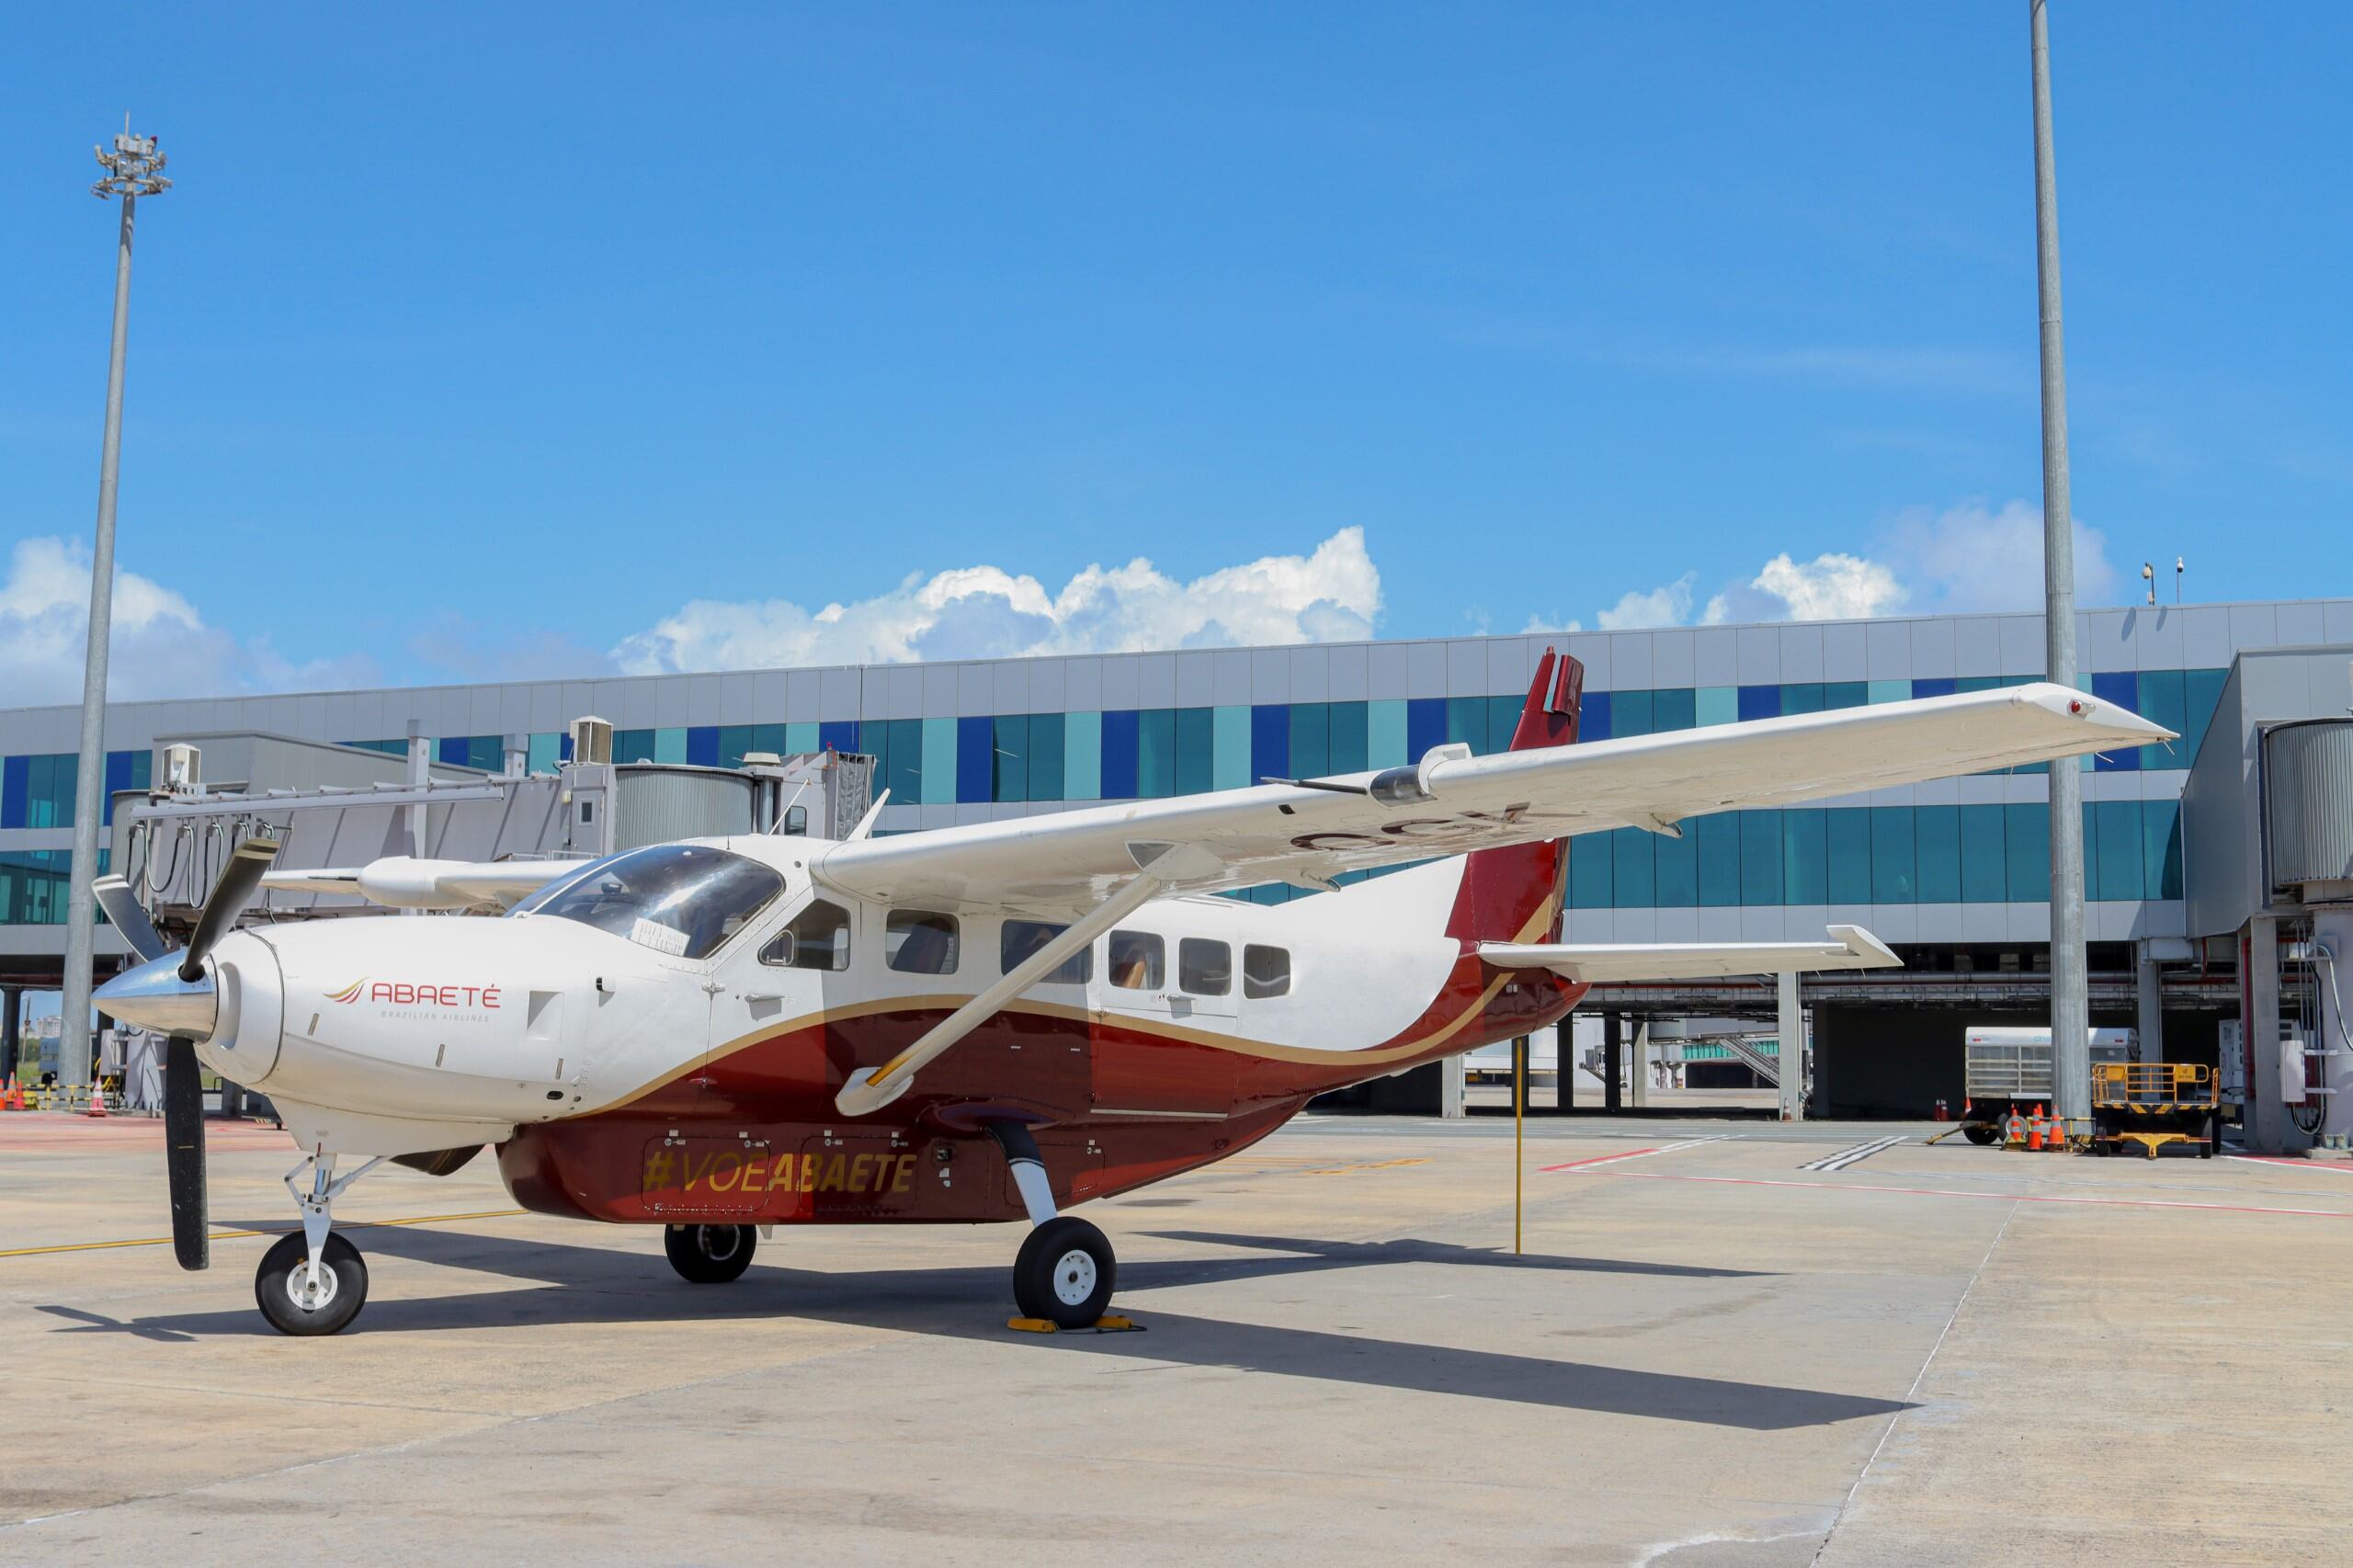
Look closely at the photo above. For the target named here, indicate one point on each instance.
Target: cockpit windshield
(680, 899)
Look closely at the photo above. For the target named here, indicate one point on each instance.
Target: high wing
(1451, 802)
(404, 881)
(1850, 946)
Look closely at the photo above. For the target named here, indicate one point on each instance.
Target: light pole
(134, 167)
(2071, 1062)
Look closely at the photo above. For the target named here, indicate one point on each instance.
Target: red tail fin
(1514, 895)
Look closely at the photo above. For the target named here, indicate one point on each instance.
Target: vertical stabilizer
(1514, 894)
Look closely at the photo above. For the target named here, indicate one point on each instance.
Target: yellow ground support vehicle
(2152, 1104)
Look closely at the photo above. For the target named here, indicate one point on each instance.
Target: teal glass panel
(1310, 739)
(1009, 771)
(1155, 753)
(1632, 870)
(1230, 738)
(1804, 698)
(2026, 832)
(1716, 705)
(1887, 691)
(1760, 856)
(1466, 723)
(1589, 867)
(670, 745)
(633, 745)
(1844, 694)
(1672, 709)
(1630, 713)
(1937, 835)
(1895, 865)
(1806, 855)
(2201, 690)
(1348, 738)
(546, 753)
(2112, 849)
(939, 761)
(1047, 749)
(1384, 733)
(2162, 699)
(770, 738)
(1502, 721)
(1195, 750)
(1849, 841)
(1985, 870)
(1719, 841)
(734, 739)
(2161, 849)
(1676, 866)
(800, 737)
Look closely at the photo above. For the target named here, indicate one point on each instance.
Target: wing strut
(1158, 866)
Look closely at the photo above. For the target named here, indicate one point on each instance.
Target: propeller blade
(184, 1154)
(122, 908)
(239, 878)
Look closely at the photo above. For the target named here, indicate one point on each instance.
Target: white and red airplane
(986, 1022)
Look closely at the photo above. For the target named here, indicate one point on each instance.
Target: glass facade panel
(1630, 869)
(669, 745)
(1672, 709)
(632, 745)
(1803, 698)
(1806, 855)
(1590, 884)
(2201, 690)
(1849, 831)
(1719, 841)
(546, 753)
(2121, 687)
(1760, 702)
(1760, 858)
(1985, 870)
(975, 759)
(1716, 705)
(1597, 717)
(2112, 852)
(1082, 756)
(2027, 834)
(1630, 713)
(939, 743)
(1157, 752)
(1196, 751)
(1466, 723)
(800, 736)
(1502, 721)
(1047, 748)
(1895, 875)
(1384, 733)
(1425, 725)
(1887, 691)
(1270, 742)
(1937, 838)
(1311, 739)
(1845, 694)
(1350, 751)
(1676, 866)
(1232, 741)
(2161, 849)
(1009, 761)
(1122, 754)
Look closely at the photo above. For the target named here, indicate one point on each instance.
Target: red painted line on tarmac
(1596, 1160)
(1989, 1197)
(2293, 1164)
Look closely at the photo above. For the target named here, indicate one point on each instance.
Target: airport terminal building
(1952, 874)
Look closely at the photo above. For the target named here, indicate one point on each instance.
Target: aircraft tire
(1977, 1133)
(278, 1284)
(710, 1254)
(1064, 1273)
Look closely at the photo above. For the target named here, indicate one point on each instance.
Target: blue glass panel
(1349, 749)
(1425, 725)
(702, 745)
(487, 753)
(1895, 869)
(1718, 839)
(1502, 721)
(2201, 690)
(1677, 865)
(837, 734)
(2112, 846)
(1590, 878)
(1985, 867)
(1933, 686)
(1195, 750)
(564, 754)
(2162, 702)
(1633, 868)
(2025, 833)
(1937, 833)
(975, 758)
(1269, 740)
(1848, 841)
(1760, 858)
(1597, 717)
(117, 777)
(1009, 764)
(1806, 855)
(1760, 702)
(2121, 687)
(16, 789)
(1157, 752)
(450, 751)
(1120, 754)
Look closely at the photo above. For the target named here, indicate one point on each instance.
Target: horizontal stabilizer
(403, 881)
(1850, 946)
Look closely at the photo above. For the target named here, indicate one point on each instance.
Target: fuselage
(686, 1066)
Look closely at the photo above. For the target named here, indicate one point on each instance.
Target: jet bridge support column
(1791, 1029)
(1612, 1024)
(11, 999)
(2149, 1037)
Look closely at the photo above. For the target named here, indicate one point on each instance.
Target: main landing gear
(709, 1254)
(315, 1282)
(1064, 1272)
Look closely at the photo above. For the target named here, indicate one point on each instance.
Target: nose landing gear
(314, 1282)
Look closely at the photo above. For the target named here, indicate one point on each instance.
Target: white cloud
(1668, 605)
(1829, 587)
(1332, 594)
(1975, 557)
(160, 647)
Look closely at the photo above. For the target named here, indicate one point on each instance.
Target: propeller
(183, 1085)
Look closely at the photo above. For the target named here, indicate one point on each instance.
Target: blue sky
(486, 341)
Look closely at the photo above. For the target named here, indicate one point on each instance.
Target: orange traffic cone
(8, 1095)
(2056, 1139)
(98, 1098)
(2034, 1132)
(2014, 1131)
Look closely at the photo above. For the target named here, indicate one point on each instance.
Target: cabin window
(918, 942)
(1139, 960)
(1266, 971)
(1021, 938)
(1203, 967)
(817, 937)
(796, 822)
(679, 899)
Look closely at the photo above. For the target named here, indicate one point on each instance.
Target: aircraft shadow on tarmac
(595, 1285)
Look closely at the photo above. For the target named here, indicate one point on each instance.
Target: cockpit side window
(916, 941)
(684, 900)
(817, 937)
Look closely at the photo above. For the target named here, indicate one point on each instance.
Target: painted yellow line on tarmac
(232, 1235)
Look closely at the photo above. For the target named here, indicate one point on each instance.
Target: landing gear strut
(315, 1282)
(1064, 1272)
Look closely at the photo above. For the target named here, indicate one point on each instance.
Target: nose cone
(154, 996)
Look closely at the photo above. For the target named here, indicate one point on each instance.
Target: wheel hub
(1073, 1277)
(718, 1243)
(300, 1291)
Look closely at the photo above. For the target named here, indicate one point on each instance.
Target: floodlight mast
(134, 167)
